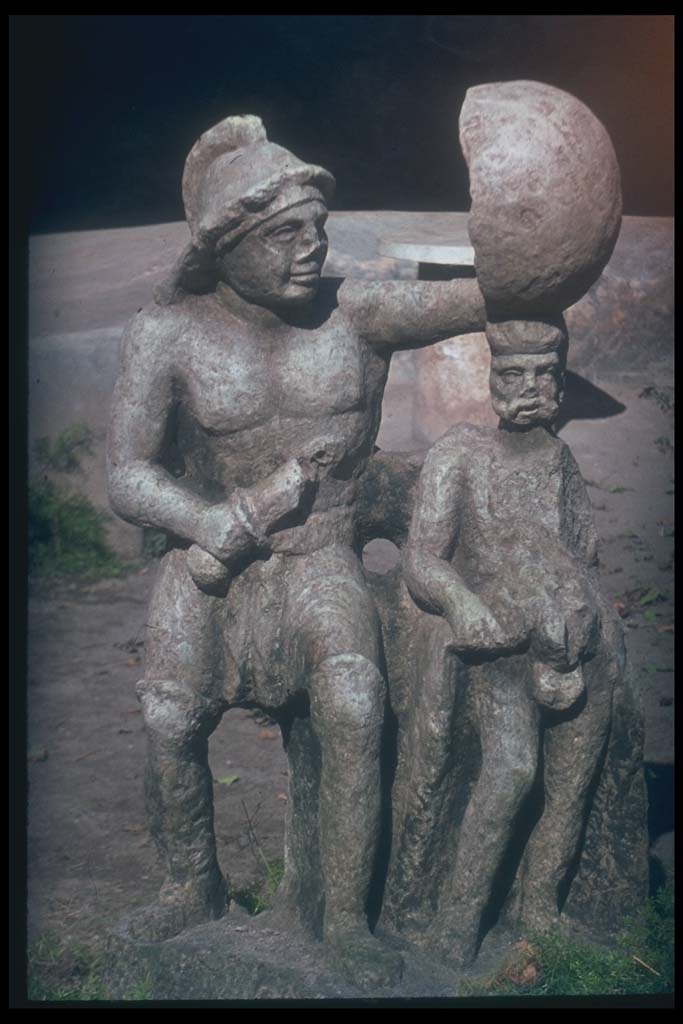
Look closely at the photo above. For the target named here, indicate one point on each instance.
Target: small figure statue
(247, 406)
(502, 547)
(519, 791)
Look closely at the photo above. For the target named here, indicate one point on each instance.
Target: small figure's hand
(475, 627)
(567, 630)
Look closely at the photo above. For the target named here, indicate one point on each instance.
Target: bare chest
(232, 383)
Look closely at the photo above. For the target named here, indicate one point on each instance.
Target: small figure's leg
(337, 630)
(426, 750)
(180, 713)
(508, 731)
(573, 750)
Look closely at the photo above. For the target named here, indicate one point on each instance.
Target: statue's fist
(567, 631)
(476, 628)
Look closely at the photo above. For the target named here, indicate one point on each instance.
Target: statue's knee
(347, 693)
(174, 712)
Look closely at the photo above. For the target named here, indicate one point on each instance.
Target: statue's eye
(510, 374)
(285, 233)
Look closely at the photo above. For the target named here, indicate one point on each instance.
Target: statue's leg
(180, 713)
(508, 732)
(426, 751)
(573, 750)
(335, 628)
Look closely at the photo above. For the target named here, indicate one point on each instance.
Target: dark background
(106, 107)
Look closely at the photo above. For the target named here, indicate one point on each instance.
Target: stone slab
(249, 958)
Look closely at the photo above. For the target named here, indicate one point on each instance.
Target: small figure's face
(279, 262)
(526, 389)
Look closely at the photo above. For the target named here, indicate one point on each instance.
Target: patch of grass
(59, 972)
(72, 972)
(642, 962)
(67, 534)
(258, 897)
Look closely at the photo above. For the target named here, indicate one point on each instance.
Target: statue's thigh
(329, 610)
(507, 718)
(181, 643)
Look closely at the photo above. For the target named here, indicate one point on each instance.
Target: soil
(90, 859)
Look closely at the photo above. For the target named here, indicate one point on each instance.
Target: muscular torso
(246, 401)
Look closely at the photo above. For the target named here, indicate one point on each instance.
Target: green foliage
(67, 534)
(58, 972)
(258, 897)
(63, 972)
(550, 965)
(64, 454)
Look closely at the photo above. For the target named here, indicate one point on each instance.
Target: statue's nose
(529, 383)
(312, 243)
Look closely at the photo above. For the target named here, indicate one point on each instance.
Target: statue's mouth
(306, 276)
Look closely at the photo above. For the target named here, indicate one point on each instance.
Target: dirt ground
(90, 859)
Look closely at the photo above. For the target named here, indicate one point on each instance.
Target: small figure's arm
(433, 582)
(411, 314)
(143, 492)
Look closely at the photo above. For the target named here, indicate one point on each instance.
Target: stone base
(246, 958)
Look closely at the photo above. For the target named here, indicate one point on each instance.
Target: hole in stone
(380, 556)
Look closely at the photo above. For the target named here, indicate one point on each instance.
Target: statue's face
(526, 389)
(279, 262)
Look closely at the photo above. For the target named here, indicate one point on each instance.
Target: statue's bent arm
(433, 582)
(411, 314)
(141, 489)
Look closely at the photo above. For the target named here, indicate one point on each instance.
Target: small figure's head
(528, 359)
(256, 216)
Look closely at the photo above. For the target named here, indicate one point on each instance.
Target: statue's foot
(178, 907)
(540, 915)
(457, 947)
(366, 961)
(456, 952)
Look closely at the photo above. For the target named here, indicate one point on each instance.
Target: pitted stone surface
(546, 196)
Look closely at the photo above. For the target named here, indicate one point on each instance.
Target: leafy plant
(67, 534)
(64, 453)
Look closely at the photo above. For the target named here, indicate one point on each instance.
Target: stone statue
(502, 547)
(519, 660)
(246, 409)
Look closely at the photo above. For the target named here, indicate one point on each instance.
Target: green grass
(60, 972)
(67, 535)
(641, 963)
(258, 897)
(72, 972)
